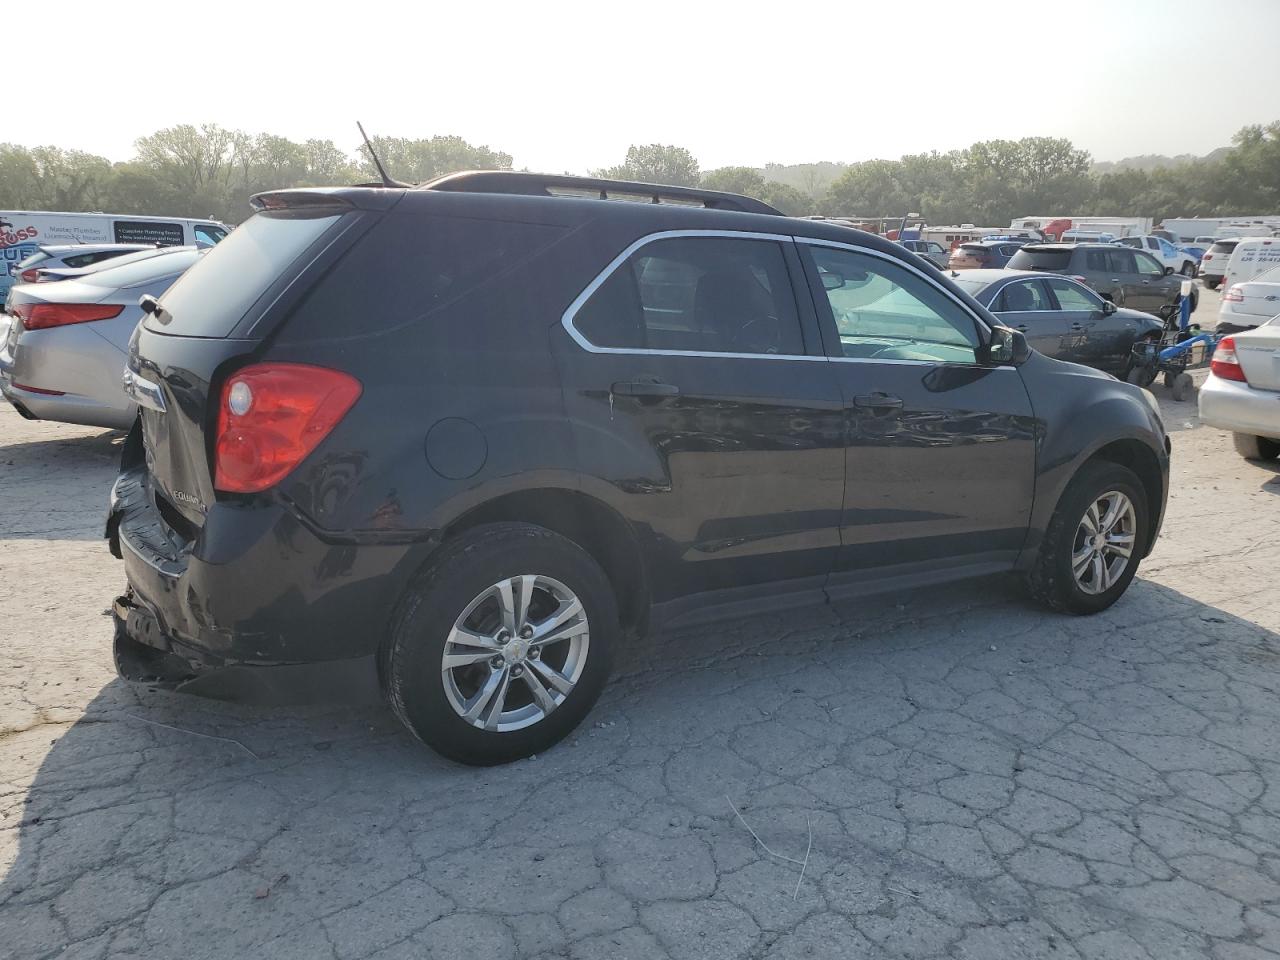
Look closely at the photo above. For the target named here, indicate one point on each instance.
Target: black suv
(460, 441)
(1127, 277)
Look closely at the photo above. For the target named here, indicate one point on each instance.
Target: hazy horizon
(570, 87)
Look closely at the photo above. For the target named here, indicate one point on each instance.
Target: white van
(1252, 256)
(23, 231)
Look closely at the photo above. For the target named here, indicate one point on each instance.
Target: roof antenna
(382, 172)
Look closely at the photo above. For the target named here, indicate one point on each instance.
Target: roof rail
(553, 185)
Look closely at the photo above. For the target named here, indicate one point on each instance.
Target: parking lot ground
(948, 773)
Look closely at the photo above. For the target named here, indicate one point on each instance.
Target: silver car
(72, 255)
(64, 347)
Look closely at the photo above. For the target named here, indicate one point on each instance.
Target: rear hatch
(1217, 257)
(1258, 352)
(218, 313)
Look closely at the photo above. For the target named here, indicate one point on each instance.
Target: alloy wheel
(515, 653)
(1104, 542)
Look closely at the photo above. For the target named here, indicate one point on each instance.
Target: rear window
(1224, 246)
(142, 271)
(974, 250)
(407, 267)
(1029, 259)
(211, 299)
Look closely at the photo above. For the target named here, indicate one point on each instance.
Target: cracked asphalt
(952, 773)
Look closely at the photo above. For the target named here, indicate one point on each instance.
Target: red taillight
(271, 416)
(41, 316)
(1224, 363)
(1084, 280)
(1235, 294)
(29, 275)
(1207, 256)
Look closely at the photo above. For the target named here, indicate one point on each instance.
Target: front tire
(502, 645)
(1256, 448)
(1094, 543)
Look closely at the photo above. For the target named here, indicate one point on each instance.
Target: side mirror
(832, 281)
(1168, 271)
(1108, 307)
(1007, 346)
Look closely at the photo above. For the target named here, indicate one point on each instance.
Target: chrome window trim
(566, 319)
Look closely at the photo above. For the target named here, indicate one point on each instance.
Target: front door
(1098, 338)
(1153, 289)
(940, 449)
(704, 412)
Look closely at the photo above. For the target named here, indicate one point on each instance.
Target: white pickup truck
(1164, 251)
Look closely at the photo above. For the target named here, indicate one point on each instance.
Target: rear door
(940, 450)
(701, 402)
(1027, 306)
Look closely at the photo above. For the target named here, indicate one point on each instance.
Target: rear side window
(408, 266)
(1224, 246)
(1026, 259)
(697, 294)
(212, 298)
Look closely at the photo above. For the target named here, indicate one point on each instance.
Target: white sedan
(1245, 305)
(1242, 393)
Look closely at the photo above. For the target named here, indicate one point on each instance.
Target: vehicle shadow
(84, 465)
(163, 825)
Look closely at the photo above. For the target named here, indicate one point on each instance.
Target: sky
(569, 86)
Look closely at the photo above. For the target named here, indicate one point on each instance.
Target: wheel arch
(594, 526)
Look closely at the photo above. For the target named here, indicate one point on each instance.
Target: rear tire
(1211, 284)
(454, 608)
(1058, 578)
(1256, 448)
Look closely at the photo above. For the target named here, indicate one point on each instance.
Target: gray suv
(1127, 277)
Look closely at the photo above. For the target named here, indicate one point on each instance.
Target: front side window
(1023, 296)
(1073, 296)
(697, 294)
(883, 311)
(208, 233)
(1149, 266)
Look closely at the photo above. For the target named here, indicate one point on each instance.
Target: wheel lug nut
(517, 670)
(526, 632)
(496, 663)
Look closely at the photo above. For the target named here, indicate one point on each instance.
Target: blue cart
(1182, 347)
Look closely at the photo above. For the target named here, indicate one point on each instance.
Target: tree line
(212, 171)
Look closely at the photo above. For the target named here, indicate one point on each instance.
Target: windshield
(971, 287)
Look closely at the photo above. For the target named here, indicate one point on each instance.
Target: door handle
(1081, 326)
(644, 388)
(1022, 327)
(878, 401)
